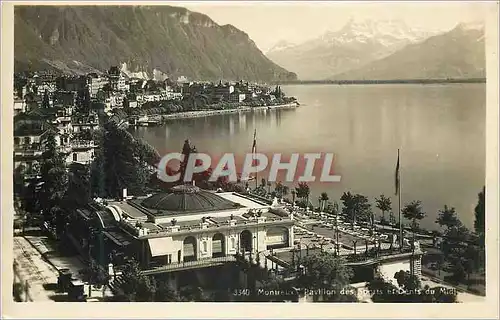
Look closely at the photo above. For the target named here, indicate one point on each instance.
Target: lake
(440, 130)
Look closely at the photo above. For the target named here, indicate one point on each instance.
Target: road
(30, 268)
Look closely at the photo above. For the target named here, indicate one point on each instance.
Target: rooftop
(186, 199)
(211, 208)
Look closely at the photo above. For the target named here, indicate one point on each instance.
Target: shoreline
(396, 81)
(208, 113)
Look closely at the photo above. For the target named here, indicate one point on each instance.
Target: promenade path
(31, 268)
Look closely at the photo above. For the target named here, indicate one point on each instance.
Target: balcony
(83, 144)
(130, 225)
(28, 150)
(201, 263)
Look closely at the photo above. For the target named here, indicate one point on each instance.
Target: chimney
(124, 193)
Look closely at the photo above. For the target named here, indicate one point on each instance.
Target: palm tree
(413, 212)
(348, 206)
(278, 189)
(356, 206)
(323, 199)
(303, 192)
(383, 204)
(284, 191)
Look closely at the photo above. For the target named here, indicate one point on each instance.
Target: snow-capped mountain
(458, 53)
(388, 33)
(354, 45)
(281, 45)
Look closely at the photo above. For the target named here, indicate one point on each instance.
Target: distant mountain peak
(391, 31)
(281, 45)
(473, 25)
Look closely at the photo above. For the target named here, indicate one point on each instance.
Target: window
(169, 258)
(16, 141)
(75, 156)
(205, 249)
(233, 243)
(27, 140)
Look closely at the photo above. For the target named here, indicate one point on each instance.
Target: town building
(237, 97)
(189, 227)
(30, 134)
(96, 83)
(82, 123)
(19, 106)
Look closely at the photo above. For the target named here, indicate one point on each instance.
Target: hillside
(459, 53)
(172, 40)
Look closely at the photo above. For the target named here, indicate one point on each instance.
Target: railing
(197, 227)
(83, 144)
(206, 262)
(31, 149)
(374, 254)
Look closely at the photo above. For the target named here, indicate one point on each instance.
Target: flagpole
(399, 205)
(254, 150)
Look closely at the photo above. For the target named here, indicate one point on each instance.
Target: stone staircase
(114, 284)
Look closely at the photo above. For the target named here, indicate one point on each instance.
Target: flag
(397, 176)
(254, 146)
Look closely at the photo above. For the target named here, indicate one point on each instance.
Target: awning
(117, 238)
(161, 246)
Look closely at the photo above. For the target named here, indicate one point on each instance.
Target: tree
(479, 225)
(407, 281)
(279, 189)
(355, 207)
(83, 101)
(125, 163)
(409, 289)
(271, 283)
(479, 217)
(447, 217)
(79, 191)
(45, 100)
(383, 203)
(324, 270)
(302, 192)
(454, 242)
(54, 177)
(323, 199)
(166, 292)
(413, 212)
(136, 286)
(348, 206)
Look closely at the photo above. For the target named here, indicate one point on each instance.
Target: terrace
(191, 210)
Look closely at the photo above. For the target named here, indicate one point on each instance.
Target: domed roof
(187, 199)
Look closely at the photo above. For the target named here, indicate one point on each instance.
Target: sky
(269, 22)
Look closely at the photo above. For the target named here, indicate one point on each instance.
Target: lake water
(440, 130)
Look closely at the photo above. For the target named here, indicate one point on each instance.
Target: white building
(189, 224)
(95, 84)
(19, 106)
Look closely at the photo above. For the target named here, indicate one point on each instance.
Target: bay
(440, 130)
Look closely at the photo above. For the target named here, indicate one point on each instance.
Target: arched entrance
(190, 252)
(246, 241)
(218, 245)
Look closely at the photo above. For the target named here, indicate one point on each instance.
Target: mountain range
(381, 50)
(145, 41)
